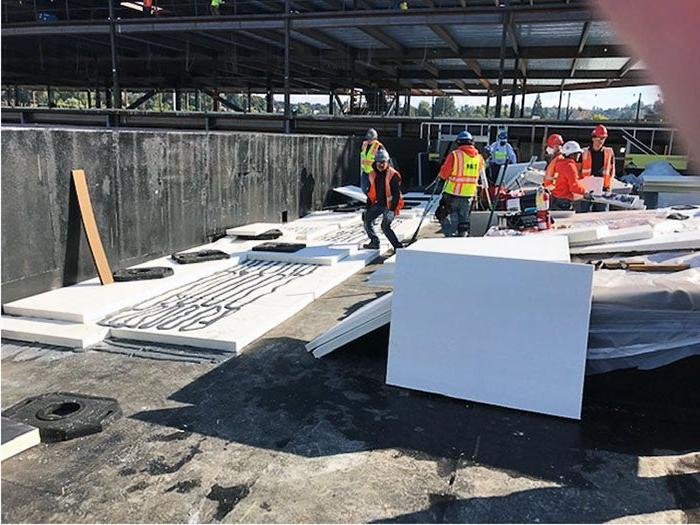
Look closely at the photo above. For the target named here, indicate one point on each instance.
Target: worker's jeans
(456, 222)
(371, 214)
(364, 181)
(558, 204)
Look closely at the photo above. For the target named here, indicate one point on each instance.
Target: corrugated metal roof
(417, 36)
(492, 63)
(549, 63)
(572, 81)
(354, 37)
(601, 63)
(601, 34)
(559, 33)
(477, 35)
(310, 41)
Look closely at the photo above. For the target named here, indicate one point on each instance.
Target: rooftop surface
(275, 435)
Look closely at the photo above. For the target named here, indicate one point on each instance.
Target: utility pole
(568, 103)
(639, 105)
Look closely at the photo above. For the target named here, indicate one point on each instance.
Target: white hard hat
(571, 147)
(371, 134)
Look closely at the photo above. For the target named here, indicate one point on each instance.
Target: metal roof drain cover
(61, 416)
(142, 274)
(200, 256)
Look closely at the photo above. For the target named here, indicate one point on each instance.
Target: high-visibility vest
(550, 173)
(372, 193)
(367, 153)
(465, 174)
(608, 165)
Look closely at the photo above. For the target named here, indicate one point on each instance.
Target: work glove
(588, 195)
(389, 215)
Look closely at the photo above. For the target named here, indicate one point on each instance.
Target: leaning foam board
(382, 277)
(17, 437)
(368, 318)
(323, 255)
(253, 229)
(51, 332)
(689, 240)
(491, 340)
(354, 192)
(88, 301)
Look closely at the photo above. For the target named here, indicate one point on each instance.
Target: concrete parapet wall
(153, 192)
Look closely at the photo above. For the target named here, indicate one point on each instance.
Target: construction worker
(214, 7)
(598, 161)
(554, 144)
(369, 149)
(384, 200)
(462, 170)
(500, 152)
(567, 187)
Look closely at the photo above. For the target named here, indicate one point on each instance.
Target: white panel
(354, 192)
(254, 229)
(324, 255)
(17, 437)
(534, 247)
(45, 331)
(501, 331)
(689, 240)
(89, 300)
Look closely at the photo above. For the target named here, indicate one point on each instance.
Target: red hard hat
(554, 140)
(600, 131)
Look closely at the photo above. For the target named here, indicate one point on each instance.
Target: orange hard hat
(600, 131)
(554, 140)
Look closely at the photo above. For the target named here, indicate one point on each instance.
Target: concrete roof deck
(275, 435)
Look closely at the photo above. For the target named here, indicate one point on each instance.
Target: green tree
(423, 109)
(537, 110)
(445, 107)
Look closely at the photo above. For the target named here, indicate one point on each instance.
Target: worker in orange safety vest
(567, 188)
(598, 161)
(462, 170)
(554, 144)
(384, 199)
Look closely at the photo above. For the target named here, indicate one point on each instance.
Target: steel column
(287, 109)
(115, 59)
(501, 65)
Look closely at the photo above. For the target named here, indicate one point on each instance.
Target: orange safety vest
(608, 165)
(465, 174)
(372, 193)
(550, 173)
(367, 153)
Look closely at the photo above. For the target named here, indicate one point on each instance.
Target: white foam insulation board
(89, 300)
(51, 332)
(487, 336)
(253, 229)
(17, 437)
(324, 255)
(688, 240)
(370, 317)
(354, 192)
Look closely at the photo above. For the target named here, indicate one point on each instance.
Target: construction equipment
(639, 266)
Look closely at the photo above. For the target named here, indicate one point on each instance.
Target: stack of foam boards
(224, 304)
(488, 335)
(253, 230)
(370, 317)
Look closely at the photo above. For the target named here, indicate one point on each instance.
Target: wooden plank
(93, 235)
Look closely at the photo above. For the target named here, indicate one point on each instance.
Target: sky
(603, 98)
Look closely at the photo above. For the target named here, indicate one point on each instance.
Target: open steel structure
(369, 49)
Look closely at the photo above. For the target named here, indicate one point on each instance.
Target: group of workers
(465, 169)
(569, 163)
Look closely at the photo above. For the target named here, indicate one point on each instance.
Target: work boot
(371, 246)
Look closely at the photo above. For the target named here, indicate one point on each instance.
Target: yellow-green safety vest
(465, 174)
(367, 155)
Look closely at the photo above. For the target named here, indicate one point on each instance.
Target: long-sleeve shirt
(567, 180)
(500, 153)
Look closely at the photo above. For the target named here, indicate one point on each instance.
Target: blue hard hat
(503, 135)
(464, 136)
